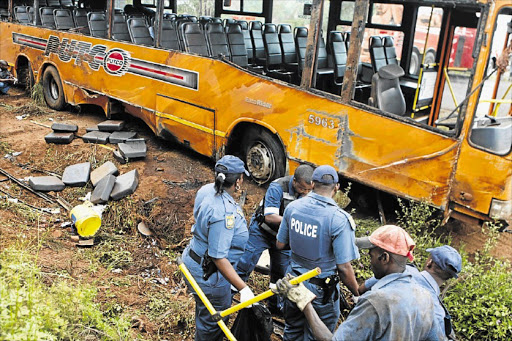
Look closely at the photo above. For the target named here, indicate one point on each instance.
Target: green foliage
(5, 148)
(480, 301)
(31, 310)
(37, 94)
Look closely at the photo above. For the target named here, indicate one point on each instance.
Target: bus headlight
(500, 209)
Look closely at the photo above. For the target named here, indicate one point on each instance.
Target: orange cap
(391, 238)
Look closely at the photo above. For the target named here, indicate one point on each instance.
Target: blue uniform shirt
(274, 196)
(428, 282)
(319, 234)
(396, 308)
(205, 191)
(220, 228)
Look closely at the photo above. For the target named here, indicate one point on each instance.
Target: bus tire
(430, 57)
(414, 64)
(26, 76)
(263, 155)
(52, 89)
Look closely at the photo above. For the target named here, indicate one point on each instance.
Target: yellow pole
(204, 299)
(268, 293)
(450, 86)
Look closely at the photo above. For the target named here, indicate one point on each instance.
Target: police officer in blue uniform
(265, 223)
(219, 238)
(319, 234)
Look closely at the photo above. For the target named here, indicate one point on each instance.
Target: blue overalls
(4, 86)
(221, 229)
(276, 200)
(320, 234)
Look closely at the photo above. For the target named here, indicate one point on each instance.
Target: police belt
(267, 229)
(195, 256)
(328, 284)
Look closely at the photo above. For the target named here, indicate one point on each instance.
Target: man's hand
(298, 294)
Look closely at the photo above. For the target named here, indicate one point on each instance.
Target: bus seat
(66, 3)
(216, 20)
(301, 39)
(386, 93)
(274, 54)
(203, 20)
(226, 22)
(169, 39)
(81, 23)
(389, 49)
(180, 21)
(120, 28)
(63, 19)
(97, 24)
(322, 70)
(217, 40)
(139, 31)
(31, 13)
(323, 67)
(21, 14)
(53, 3)
(288, 47)
(4, 14)
(237, 47)
(170, 16)
(247, 39)
(339, 53)
(194, 39)
(377, 53)
(47, 19)
(493, 133)
(255, 28)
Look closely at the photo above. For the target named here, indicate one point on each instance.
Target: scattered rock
(125, 185)
(101, 193)
(121, 159)
(77, 175)
(74, 238)
(57, 234)
(132, 149)
(108, 168)
(111, 125)
(96, 137)
(59, 138)
(85, 242)
(89, 129)
(64, 127)
(121, 136)
(46, 183)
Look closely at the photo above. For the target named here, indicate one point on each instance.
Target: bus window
(253, 6)
(387, 14)
(206, 7)
(292, 12)
(492, 125)
(428, 23)
(232, 5)
(347, 11)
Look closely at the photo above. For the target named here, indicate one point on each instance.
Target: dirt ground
(169, 178)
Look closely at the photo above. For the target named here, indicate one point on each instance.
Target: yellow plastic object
(296, 280)
(86, 220)
(204, 299)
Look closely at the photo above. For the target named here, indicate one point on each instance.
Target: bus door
(483, 178)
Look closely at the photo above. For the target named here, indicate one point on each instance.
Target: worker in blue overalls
(319, 234)
(265, 223)
(219, 238)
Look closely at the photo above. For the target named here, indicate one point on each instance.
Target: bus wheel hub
(260, 162)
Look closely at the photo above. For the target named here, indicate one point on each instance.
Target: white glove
(355, 299)
(245, 295)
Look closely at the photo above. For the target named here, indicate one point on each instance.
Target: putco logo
(115, 62)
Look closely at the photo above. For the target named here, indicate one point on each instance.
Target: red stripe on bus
(156, 71)
(31, 42)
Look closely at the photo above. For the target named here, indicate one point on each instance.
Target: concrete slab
(111, 125)
(64, 127)
(96, 137)
(77, 175)
(125, 185)
(102, 191)
(108, 168)
(89, 129)
(121, 159)
(132, 149)
(46, 183)
(121, 136)
(59, 138)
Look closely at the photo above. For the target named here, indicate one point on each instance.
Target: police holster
(207, 263)
(329, 287)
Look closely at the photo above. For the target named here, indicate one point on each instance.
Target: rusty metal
(110, 18)
(310, 61)
(158, 22)
(354, 51)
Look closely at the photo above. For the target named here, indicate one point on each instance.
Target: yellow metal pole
(268, 293)
(450, 86)
(204, 299)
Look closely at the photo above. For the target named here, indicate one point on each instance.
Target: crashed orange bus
(279, 91)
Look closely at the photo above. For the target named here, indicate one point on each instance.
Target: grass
(37, 94)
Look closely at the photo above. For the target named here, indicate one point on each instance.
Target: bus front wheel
(264, 156)
(52, 89)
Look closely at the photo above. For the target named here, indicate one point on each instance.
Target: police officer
(219, 237)
(265, 223)
(320, 234)
(6, 78)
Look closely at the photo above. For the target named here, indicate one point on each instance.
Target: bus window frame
(266, 10)
(479, 92)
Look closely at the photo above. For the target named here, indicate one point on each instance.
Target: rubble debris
(101, 193)
(133, 148)
(96, 137)
(121, 159)
(74, 238)
(111, 125)
(59, 138)
(125, 185)
(85, 242)
(77, 175)
(93, 128)
(121, 136)
(64, 127)
(143, 229)
(108, 168)
(46, 183)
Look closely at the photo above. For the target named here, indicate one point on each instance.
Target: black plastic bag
(253, 324)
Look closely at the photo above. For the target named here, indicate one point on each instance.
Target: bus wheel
(430, 57)
(414, 65)
(52, 89)
(264, 156)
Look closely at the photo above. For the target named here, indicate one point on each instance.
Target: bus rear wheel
(52, 89)
(263, 156)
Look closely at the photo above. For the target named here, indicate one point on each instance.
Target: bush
(30, 310)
